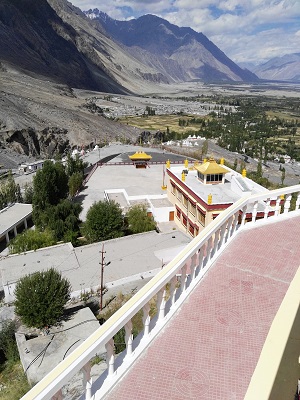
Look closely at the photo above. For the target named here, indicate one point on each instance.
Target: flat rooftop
(128, 256)
(135, 181)
(222, 193)
(60, 342)
(10, 216)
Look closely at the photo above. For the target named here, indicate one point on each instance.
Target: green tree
(31, 240)
(104, 220)
(75, 164)
(259, 172)
(63, 220)
(138, 219)
(282, 175)
(205, 148)
(8, 345)
(10, 191)
(41, 298)
(75, 182)
(50, 185)
(28, 194)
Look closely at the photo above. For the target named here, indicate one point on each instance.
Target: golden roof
(211, 167)
(140, 155)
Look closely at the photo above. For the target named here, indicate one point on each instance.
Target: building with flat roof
(201, 192)
(133, 260)
(13, 219)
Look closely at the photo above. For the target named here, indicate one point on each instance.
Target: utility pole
(103, 265)
(101, 278)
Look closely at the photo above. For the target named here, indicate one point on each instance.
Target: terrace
(227, 316)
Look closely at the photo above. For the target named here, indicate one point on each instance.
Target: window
(214, 178)
(173, 189)
(201, 217)
(179, 195)
(185, 201)
(200, 176)
(184, 220)
(178, 213)
(191, 229)
(192, 209)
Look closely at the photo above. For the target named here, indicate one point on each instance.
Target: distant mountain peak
(95, 13)
(283, 68)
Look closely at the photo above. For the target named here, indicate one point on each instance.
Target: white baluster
(193, 266)
(216, 242)
(254, 211)
(278, 207)
(183, 278)
(87, 380)
(58, 395)
(235, 222)
(267, 209)
(222, 236)
(287, 203)
(110, 357)
(298, 202)
(228, 230)
(146, 319)
(201, 257)
(244, 215)
(208, 250)
(128, 337)
(173, 284)
(161, 303)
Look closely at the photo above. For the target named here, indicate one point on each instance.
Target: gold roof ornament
(222, 161)
(140, 155)
(244, 173)
(183, 176)
(168, 164)
(186, 163)
(209, 199)
(211, 167)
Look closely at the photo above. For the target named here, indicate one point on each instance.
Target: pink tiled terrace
(226, 289)
(209, 350)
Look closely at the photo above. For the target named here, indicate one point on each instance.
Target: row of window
(186, 203)
(211, 177)
(194, 230)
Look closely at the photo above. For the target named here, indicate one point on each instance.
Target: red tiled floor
(210, 348)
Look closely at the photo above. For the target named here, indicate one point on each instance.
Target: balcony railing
(169, 288)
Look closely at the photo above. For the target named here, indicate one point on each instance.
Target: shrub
(41, 297)
(138, 219)
(104, 221)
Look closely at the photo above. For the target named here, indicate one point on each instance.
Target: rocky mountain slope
(285, 68)
(167, 47)
(51, 53)
(40, 118)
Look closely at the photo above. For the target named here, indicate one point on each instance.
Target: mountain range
(166, 47)
(284, 68)
(54, 58)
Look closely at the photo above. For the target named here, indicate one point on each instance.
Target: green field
(161, 123)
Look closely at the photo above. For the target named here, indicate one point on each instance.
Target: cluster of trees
(56, 216)
(105, 221)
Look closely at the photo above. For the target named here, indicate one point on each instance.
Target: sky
(247, 31)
